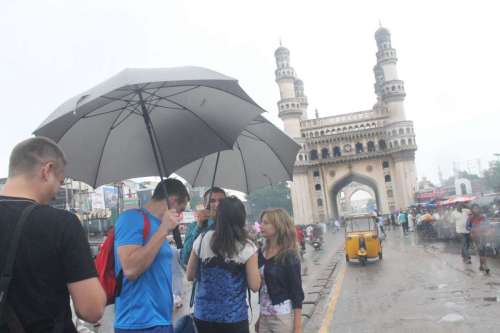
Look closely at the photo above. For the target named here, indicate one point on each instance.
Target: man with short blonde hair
(53, 259)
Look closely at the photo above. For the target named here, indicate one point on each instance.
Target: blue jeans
(466, 246)
(156, 329)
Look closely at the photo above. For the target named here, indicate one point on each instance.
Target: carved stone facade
(374, 148)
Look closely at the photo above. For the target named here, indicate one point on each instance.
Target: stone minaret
(389, 88)
(293, 103)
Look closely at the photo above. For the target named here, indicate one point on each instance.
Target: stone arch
(363, 188)
(346, 180)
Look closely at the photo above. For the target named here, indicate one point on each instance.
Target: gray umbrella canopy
(193, 111)
(262, 155)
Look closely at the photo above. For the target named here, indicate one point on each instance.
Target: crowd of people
(468, 223)
(53, 263)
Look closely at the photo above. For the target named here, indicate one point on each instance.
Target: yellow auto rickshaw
(362, 241)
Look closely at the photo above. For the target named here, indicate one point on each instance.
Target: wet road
(417, 287)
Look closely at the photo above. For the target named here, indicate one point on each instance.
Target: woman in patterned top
(281, 293)
(227, 260)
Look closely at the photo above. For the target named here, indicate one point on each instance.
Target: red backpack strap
(147, 225)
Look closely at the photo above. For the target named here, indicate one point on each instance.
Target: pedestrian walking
(403, 220)
(337, 225)
(300, 239)
(460, 216)
(281, 293)
(480, 230)
(411, 221)
(227, 264)
(393, 221)
(145, 302)
(51, 259)
(380, 222)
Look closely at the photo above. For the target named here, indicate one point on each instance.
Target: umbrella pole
(158, 160)
(213, 180)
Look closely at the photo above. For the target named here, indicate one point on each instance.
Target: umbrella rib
(165, 107)
(274, 152)
(243, 97)
(177, 93)
(250, 137)
(133, 111)
(123, 108)
(194, 114)
(114, 99)
(73, 124)
(244, 166)
(102, 151)
(198, 172)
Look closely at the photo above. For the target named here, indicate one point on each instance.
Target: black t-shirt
(53, 251)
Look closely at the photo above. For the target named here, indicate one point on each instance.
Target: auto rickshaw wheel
(380, 256)
(363, 260)
(346, 258)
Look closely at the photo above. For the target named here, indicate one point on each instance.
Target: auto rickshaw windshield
(360, 224)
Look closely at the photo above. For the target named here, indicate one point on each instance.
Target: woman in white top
(224, 262)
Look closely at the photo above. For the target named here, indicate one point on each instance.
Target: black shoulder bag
(7, 315)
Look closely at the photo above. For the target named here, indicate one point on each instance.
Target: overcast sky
(449, 58)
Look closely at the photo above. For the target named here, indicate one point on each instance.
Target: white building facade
(373, 148)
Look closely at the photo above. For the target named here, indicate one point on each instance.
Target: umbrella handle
(213, 181)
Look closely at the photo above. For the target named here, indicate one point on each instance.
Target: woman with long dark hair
(224, 263)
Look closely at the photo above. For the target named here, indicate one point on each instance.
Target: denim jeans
(465, 246)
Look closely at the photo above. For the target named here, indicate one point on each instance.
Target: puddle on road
(452, 318)
(491, 299)
(491, 283)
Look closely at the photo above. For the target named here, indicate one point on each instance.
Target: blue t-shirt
(147, 301)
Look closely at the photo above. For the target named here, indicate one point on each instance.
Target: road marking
(325, 325)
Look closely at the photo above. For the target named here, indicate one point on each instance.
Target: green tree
(276, 196)
(492, 176)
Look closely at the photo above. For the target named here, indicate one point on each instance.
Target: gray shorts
(276, 323)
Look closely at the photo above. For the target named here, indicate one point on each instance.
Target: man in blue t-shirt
(145, 301)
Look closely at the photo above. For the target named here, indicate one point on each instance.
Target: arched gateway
(374, 149)
(347, 180)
